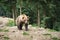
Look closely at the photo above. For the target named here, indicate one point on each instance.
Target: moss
(6, 30)
(6, 38)
(25, 33)
(47, 34)
(2, 30)
(55, 38)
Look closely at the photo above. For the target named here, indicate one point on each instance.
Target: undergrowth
(11, 23)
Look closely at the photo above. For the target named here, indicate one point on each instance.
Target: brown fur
(22, 19)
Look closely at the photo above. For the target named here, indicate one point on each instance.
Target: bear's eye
(22, 17)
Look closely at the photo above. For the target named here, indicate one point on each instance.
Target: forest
(42, 13)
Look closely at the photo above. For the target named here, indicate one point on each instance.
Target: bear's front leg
(20, 26)
(26, 26)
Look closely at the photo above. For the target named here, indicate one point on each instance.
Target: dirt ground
(34, 33)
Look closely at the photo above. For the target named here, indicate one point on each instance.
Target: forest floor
(34, 33)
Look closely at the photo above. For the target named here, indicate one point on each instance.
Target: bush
(43, 21)
(11, 23)
(34, 25)
(56, 26)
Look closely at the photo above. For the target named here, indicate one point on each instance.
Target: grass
(55, 38)
(6, 30)
(11, 23)
(51, 30)
(47, 34)
(2, 30)
(25, 33)
(6, 38)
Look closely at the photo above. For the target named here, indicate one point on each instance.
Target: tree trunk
(20, 10)
(14, 12)
(38, 18)
(21, 7)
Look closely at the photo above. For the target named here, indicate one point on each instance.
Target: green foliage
(43, 21)
(47, 8)
(34, 25)
(55, 38)
(47, 34)
(51, 30)
(2, 30)
(25, 33)
(57, 26)
(11, 23)
(6, 30)
(6, 38)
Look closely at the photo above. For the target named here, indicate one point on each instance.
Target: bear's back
(21, 18)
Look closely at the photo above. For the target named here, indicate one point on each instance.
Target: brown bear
(22, 19)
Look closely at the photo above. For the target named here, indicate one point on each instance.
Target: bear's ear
(28, 17)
